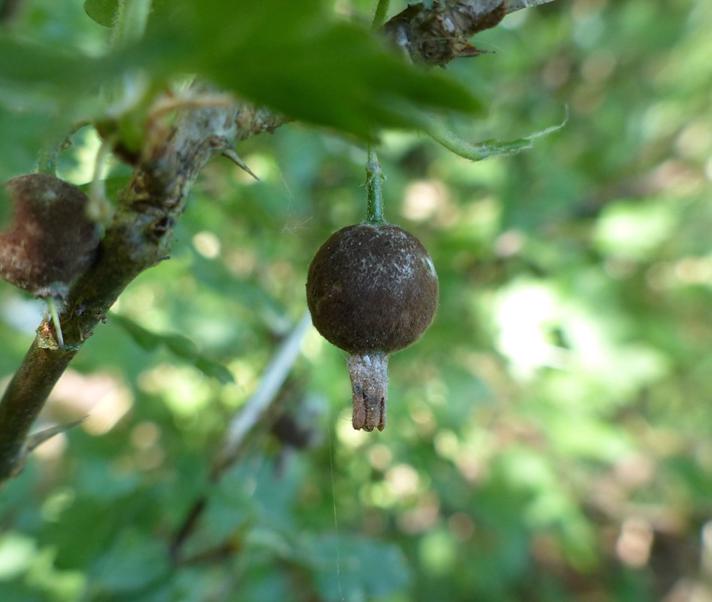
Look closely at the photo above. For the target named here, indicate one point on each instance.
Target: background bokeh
(549, 438)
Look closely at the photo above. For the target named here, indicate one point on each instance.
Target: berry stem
(47, 160)
(374, 175)
(374, 188)
(54, 315)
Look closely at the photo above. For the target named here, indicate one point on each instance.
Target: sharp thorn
(237, 160)
(40, 437)
(54, 316)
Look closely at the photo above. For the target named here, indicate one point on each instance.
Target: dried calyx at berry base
(50, 241)
(372, 290)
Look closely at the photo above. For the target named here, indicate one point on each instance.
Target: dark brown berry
(50, 241)
(371, 290)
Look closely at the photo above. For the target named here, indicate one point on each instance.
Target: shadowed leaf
(178, 345)
(101, 11)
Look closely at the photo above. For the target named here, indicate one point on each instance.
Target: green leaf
(299, 59)
(147, 340)
(213, 370)
(102, 11)
(28, 63)
(179, 345)
(296, 58)
(479, 151)
(135, 560)
(356, 568)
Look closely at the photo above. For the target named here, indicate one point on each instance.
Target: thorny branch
(139, 237)
(140, 233)
(439, 34)
(242, 423)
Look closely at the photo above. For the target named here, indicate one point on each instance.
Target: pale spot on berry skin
(429, 264)
(49, 196)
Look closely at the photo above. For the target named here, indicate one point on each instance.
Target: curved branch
(438, 34)
(138, 238)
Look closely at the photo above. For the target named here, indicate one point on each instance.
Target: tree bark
(441, 33)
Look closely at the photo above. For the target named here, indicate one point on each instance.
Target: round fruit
(371, 290)
(50, 241)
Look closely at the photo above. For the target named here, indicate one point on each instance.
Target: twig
(23, 400)
(187, 527)
(438, 34)
(138, 238)
(168, 105)
(243, 423)
(274, 376)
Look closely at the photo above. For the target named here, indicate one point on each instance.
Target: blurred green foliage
(550, 437)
